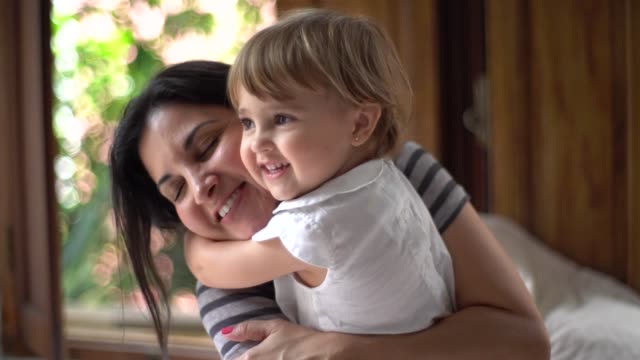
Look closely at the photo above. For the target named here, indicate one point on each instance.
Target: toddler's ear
(366, 122)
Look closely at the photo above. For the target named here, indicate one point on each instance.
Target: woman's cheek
(194, 222)
(229, 148)
(245, 154)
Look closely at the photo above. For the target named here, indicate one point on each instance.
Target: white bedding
(589, 315)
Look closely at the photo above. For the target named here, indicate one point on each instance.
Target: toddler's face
(291, 147)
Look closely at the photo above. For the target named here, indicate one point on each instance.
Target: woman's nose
(203, 186)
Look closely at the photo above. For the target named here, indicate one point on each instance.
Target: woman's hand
(281, 339)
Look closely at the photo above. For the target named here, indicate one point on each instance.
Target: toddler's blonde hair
(326, 50)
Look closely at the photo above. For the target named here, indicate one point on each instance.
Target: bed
(589, 315)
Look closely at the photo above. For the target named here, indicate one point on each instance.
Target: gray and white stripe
(441, 194)
(222, 308)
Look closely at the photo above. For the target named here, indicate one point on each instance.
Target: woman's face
(192, 153)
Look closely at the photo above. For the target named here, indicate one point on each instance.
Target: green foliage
(100, 66)
(178, 23)
(250, 13)
(143, 67)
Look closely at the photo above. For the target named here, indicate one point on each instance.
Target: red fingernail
(227, 330)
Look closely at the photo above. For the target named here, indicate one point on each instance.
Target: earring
(356, 139)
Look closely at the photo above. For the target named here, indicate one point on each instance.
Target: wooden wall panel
(633, 44)
(572, 141)
(563, 144)
(621, 156)
(412, 24)
(507, 55)
(416, 37)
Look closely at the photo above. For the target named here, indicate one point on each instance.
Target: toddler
(323, 100)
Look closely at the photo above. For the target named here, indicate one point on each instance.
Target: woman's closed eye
(178, 192)
(174, 189)
(208, 149)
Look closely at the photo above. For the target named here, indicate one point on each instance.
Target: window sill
(119, 333)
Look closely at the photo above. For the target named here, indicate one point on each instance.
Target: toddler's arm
(233, 264)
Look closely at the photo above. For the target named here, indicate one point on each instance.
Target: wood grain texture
(564, 111)
(35, 241)
(9, 287)
(417, 42)
(508, 69)
(633, 44)
(621, 101)
(573, 128)
(413, 27)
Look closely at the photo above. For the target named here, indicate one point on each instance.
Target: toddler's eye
(283, 119)
(247, 123)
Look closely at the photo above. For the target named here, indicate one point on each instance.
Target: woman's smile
(231, 201)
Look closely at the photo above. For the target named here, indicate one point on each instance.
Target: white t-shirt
(389, 271)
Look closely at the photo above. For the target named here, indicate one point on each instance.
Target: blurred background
(534, 107)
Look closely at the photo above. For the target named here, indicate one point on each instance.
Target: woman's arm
(496, 317)
(220, 308)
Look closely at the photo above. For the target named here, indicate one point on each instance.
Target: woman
(175, 161)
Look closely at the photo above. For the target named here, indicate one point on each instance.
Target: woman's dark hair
(137, 202)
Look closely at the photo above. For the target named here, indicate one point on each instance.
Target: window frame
(31, 284)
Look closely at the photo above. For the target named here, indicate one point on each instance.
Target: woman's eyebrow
(188, 141)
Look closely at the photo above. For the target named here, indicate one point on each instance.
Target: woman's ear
(365, 123)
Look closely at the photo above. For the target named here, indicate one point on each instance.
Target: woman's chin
(247, 228)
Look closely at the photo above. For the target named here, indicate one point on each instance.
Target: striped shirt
(221, 308)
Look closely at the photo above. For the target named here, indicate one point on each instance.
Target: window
(105, 52)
